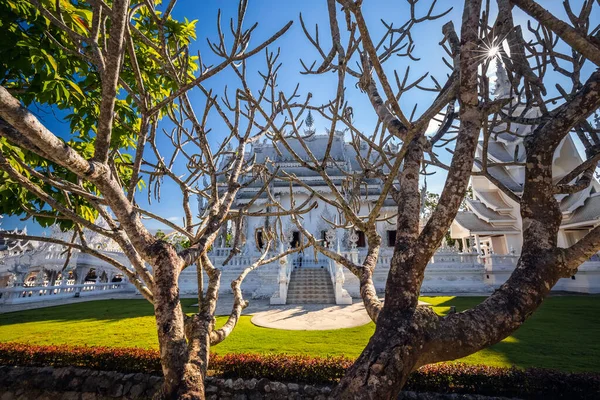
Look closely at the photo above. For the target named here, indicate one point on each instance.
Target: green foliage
(176, 239)
(468, 195)
(431, 201)
(41, 66)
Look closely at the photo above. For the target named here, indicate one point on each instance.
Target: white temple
(492, 224)
(489, 231)
(303, 277)
(39, 271)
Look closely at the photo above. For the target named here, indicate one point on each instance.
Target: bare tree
(407, 335)
(112, 43)
(396, 153)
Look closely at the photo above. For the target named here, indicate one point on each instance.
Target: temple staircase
(310, 286)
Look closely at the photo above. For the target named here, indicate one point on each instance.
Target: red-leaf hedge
(443, 378)
(531, 383)
(281, 367)
(100, 358)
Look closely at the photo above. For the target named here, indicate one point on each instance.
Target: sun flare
(493, 51)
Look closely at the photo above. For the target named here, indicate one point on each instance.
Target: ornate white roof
(487, 214)
(343, 156)
(494, 200)
(589, 213)
(475, 225)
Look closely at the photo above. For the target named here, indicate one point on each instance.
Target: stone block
(251, 384)
(238, 384)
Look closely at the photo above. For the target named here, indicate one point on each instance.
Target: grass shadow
(562, 334)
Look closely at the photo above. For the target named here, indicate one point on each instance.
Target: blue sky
(271, 16)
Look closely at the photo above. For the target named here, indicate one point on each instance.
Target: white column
(478, 245)
(464, 245)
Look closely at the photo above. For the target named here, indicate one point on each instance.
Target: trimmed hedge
(442, 378)
(99, 358)
(281, 367)
(531, 383)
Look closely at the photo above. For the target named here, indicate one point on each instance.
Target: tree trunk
(183, 379)
(392, 353)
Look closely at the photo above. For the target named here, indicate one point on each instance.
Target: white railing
(24, 294)
(332, 271)
(336, 272)
(310, 262)
(283, 281)
(220, 251)
(237, 261)
(385, 257)
(453, 257)
(500, 260)
(46, 283)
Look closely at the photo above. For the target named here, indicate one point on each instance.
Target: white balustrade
(500, 260)
(221, 251)
(285, 272)
(310, 262)
(454, 258)
(28, 294)
(336, 272)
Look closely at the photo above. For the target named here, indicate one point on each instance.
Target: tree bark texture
(183, 352)
(402, 336)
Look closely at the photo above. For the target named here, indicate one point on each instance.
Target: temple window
(258, 235)
(324, 239)
(361, 243)
(295, 239)
(391, 238)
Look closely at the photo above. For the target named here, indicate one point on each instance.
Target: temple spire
(502, 88)
(310, 121)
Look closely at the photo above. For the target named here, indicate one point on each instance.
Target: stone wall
(73, 383)
(47, 383)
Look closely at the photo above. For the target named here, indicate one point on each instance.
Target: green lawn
(563, 334)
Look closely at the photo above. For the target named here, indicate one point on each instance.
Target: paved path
(312, 317)
(297, 317)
